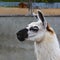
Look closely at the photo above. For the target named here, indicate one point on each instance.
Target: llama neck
(48, 49)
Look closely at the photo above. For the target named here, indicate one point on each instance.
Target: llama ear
(41, 17)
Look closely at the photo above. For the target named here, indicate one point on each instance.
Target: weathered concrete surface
(9, 27)
(10, 47)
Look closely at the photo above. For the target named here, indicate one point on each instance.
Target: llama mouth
(32, 35)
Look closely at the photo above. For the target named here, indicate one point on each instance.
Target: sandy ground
(24, 11)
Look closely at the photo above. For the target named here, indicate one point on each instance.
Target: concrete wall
(9, 26)
(10, 47)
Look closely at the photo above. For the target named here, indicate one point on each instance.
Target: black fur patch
(35, 29)
(22, 34)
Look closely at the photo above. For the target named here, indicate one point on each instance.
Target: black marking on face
(22, 34)
(41, 17)
(36, 17)
(35, 29)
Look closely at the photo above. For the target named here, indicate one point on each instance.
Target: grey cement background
(10, 47)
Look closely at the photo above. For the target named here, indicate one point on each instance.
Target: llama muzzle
(22, 34)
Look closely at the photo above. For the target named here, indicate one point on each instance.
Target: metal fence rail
(46, 5)
(34, 5)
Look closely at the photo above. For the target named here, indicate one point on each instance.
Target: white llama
(45, 39)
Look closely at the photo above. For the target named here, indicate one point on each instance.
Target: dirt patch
(24, 11)
(50, 11)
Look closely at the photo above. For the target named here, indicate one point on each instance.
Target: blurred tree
(32, 0)
(42, 0)
(50, 1)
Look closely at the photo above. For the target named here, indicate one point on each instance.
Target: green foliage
(11, 0)
(15, 0)
(50, 1)
(42, 0)
(31, 0)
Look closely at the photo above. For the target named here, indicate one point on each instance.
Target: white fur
(48, 49)
(45, 42)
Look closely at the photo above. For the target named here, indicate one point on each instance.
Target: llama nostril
(17, 33)
(18, 36)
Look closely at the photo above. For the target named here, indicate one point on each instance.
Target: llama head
(35, 30)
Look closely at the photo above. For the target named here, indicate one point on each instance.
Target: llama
(45, 40)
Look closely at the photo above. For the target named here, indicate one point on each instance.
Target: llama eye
(35, 28)
(36, 17)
